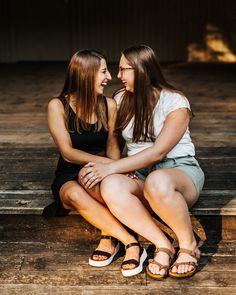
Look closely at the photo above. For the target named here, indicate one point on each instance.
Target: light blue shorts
(187, 164)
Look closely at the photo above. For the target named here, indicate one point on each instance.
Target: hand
(93, 173)
(132, 175)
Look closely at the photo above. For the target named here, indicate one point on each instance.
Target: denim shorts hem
(187, 164)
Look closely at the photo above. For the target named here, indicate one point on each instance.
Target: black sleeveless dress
(89, 141)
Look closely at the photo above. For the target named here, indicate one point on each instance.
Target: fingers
(92, 182)
(85, 171)
(88, 179)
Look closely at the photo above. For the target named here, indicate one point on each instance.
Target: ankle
(165, 245)
(129, 240)
(190, 245)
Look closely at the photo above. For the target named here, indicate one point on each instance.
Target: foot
(185, 262)
(158, 266)
(131, 253)
(133, 265)
(105, 245)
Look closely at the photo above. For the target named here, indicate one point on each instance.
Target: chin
(100, 92)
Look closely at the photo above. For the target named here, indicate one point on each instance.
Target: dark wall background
(51, 30)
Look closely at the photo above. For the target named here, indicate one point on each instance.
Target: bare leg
(106, 245)
(171, 193)
(73, 196)
(124, 198)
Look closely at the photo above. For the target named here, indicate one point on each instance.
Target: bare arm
(174, 127)
(57, 127)
(113, 150)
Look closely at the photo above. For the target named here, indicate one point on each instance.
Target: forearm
(137, 161)
(79, 157)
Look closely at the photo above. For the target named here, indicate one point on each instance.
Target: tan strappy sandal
(187, 274)
(165, 267)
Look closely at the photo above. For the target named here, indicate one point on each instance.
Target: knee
(74, 197)
(110, 189)
(158, 187)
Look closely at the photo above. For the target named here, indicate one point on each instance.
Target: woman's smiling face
(102, 77)
(126, 74)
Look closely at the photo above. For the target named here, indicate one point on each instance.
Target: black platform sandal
(138, 264)
(110, 257)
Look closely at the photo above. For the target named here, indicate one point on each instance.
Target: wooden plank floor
(39, 256)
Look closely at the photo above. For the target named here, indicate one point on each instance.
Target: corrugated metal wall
(53, 30)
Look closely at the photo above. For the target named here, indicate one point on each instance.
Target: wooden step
(27, 172)
(43, 256)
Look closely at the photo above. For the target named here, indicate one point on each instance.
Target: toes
(102, 257)
(162, 272)
(174, 269)
(155, 269)
(190, 268)
(181, 269)
(128, 266)
(99, 257)
(95, 257)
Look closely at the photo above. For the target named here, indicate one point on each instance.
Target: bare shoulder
(55, 105)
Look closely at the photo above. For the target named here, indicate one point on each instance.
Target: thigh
(177, 180)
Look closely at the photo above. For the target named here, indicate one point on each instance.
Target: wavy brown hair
(79, 83)
(148, 82)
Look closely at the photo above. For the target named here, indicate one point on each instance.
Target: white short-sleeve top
(169, 101)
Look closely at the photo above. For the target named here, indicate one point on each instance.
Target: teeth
(104, 84)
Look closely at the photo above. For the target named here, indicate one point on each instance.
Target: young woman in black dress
(81, 121)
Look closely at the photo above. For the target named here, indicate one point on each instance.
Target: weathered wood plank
(78, 260)
(34, 289)
(33, 201)
(70, 277)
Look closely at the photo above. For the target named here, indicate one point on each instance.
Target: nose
(108, 76)
(119, 75)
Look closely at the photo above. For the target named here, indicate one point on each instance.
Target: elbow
(66, 156)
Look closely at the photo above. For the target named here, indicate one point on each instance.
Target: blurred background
(178, 30)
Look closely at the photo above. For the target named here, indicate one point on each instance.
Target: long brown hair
(139, 104)
(79, 83)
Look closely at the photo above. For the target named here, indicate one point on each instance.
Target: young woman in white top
(153, 118)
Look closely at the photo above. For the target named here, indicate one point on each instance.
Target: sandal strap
(189, 252)
(132, 245)
(192, 263)
(133, 261)
(165, 250)
(161, 266)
